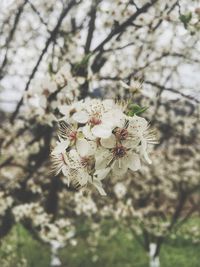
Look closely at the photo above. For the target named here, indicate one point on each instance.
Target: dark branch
(91, 28)
(120, 28)
(50, 39)
(11, 35)
(172, 90)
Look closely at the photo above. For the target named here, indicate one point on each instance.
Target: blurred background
(55, 52)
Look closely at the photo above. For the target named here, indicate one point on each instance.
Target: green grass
(18, 245)
(180, 255)
(121, 250)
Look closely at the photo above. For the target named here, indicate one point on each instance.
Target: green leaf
(135, 109)
(185, 19)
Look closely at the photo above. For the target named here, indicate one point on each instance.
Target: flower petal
(60, 148)
(99, 187)
(101, 131)
(85, 148)
(92, 148)
(81, 117)
(86, 130)
(120, 167)
(101, 174)
(83, 177)
(137, 125)
(64, 109)
(65, 171)
(143, 150)
(108, 142)
(134, 162)
(82, 147)
(102, 158)
(113, 118)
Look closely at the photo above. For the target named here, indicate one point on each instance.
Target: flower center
(63, 158)
(73, 135)
(121, 133)
(85, 161)
(94, 121)
(119, 151)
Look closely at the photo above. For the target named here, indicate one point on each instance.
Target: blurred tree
(55, 52)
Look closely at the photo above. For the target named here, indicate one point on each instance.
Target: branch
(49, 40)
(10, 37)
(38, 13)
(172, 90)
(91, 28)
(124, 25)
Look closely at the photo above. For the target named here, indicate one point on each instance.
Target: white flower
(98, 139)
(139, 130)
(135, 135)
(102, 116)
(72, 166)
(118, 158)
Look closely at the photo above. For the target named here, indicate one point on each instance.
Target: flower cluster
(45, 95)
(5, 203)
(60, 230)
(98, 138)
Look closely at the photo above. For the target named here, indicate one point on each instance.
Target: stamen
(119, 151)
(94, 121)
(121, 133)
(66, 131)
(73, 135)
(84, 161)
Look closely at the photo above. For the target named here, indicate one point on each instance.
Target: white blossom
(98, 139)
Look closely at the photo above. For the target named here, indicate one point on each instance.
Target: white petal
(120, 167)
(65, 170)
(113, 118)
(60, 148)
(101, 131)
(144, 150)
(92, 147)
(74, 159)
(82, 147)
(99, 187)
(101, 174)
(85, 148)
(101, 159)
(86, 130)
(108, 142)
(146, 156)
(137, 125)
(83, 177)
(132, 143)
(134, 162)
(108, 103)
(64, 109)
(81, 117)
